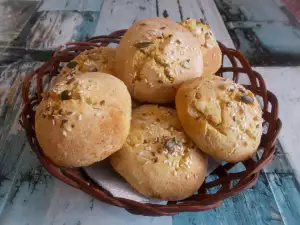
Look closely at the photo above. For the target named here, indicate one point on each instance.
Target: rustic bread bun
(83, 120)
(100, 59)
(154, 57)
(223, 118)
(158, 159)
(212, 55)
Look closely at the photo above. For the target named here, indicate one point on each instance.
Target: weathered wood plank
(171, 9)
(12, 138)
(289, 107)
(284, 186)
(51, 29)
(287, 194)
(254, 206)
(280, 163)
(47, 30)
(40, 199)
(72, 5)
(116, 15)
(192, 9)
(13, 16)
(26, 207)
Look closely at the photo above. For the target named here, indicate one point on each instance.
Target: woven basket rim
(231, 183)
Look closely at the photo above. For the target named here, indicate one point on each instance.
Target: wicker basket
(211, 194)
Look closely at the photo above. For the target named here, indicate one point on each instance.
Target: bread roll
(212, 55)
(158, 159)
(100, 59)
(154, 57)
(223, 118)
(83, 120)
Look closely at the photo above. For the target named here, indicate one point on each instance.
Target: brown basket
(211, 194)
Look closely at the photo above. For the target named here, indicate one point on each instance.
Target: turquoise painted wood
(30, 195)
(254, 206)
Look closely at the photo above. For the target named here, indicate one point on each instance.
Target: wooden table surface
(29, 195)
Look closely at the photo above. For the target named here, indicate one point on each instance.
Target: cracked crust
(83, 120)
(158, 159)
(154, 57)
(212, 55)
(214, 113)
(94, 60)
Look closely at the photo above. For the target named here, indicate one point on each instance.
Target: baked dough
(154, 57)
(100, 59)
(223, 118)
(212, 55)
(158, 159)
(84, 119)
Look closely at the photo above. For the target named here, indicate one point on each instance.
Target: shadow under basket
(224, 182)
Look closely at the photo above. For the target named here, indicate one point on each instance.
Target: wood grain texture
(280, 163)
(33, 197)
(47, 30)
(72, 5)
(12, 137)
(171, 9)
(286, 191)
(254, 206)
(39, 199)
(192, 9)
(13, 16)
(283, 82)
(51, 29)
(121, 14)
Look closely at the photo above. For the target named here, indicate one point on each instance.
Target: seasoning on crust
(154, 57)
(158, 159)
(100, 59)
(212, 55)
(221, 117)
(83, 120)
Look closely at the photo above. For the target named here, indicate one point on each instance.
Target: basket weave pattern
(225, 183)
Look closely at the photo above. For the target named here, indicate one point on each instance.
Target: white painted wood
(40, 199)
(48, 5)
(191, 9)
(56, 28)
(171, 7)
(12, 138)
(92, 5)
(66, 5)
(258, 10)
(121, 14)
(13, 17)
(284, 83)
(50, 31)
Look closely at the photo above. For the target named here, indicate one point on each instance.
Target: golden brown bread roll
(155, 56)
(222, 118)
(100, 59)
(83, 120)
(212, 55)
(158, 159)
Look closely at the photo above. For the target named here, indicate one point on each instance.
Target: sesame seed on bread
(84, 119)
(155, 56)
(158, 159)
(223, 118)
